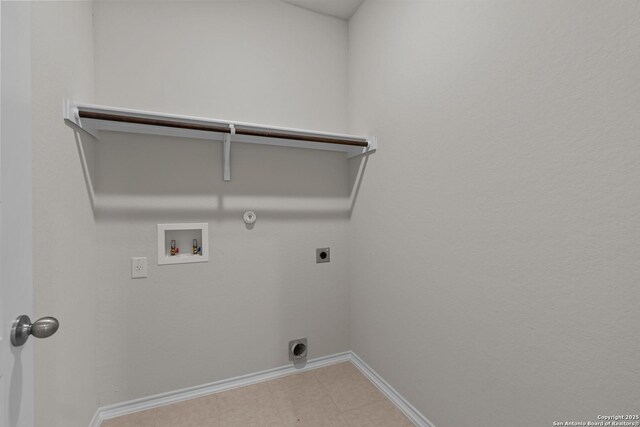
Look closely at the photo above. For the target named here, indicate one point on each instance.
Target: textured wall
(495, 242)
(64, 232)
(191, 324)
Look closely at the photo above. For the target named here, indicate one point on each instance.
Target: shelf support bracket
(226, 152)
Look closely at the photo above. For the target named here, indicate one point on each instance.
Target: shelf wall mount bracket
(226, 152)
(71, 115)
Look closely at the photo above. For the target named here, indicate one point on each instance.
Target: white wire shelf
(93, 118)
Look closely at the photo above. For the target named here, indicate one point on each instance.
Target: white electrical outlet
(138, 267)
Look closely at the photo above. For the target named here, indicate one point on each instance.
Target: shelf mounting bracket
(226, 152)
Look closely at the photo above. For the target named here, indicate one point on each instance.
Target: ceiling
(343, 9)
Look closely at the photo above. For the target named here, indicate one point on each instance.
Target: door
(16, 290)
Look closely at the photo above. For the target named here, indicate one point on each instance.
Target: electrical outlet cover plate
(138, 267)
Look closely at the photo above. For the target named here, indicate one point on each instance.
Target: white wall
(191, 324)
(64, 232)
(495, 242)
(257, 61)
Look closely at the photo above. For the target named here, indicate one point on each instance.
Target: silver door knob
(41, 328)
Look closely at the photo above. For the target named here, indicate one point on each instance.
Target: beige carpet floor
(337, 395)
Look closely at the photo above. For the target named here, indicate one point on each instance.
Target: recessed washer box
(183, 234)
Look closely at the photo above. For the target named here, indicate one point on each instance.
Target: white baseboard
(132, 406)
(407, 408)
(96, 420)
(150, 402)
